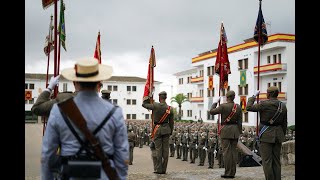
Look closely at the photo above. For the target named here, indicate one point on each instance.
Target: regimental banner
(243, 103)
(210, 85)
(47, 3)
(243, 78)
(28, 95)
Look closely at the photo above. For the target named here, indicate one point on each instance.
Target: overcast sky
(178, 29)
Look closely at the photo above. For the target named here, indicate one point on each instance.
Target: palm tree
(179, 99)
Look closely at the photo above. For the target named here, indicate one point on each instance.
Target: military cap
(105, 91)
(162, 93)
(272, 89)
(230, 93)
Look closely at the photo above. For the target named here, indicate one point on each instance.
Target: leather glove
(216, 100)
(53, 82)
(256, 93)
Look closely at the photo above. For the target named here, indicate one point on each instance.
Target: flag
(97, 52)
(62, 29)
(243, 78)
(47, 3)
(48, 45)
(210, 85)
(222, 65)
(243, 103)
(260, 28)
(149, 88)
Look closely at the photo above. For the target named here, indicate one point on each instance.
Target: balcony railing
(196, 99)
(281, 96)
(197, 79)
(271, 68)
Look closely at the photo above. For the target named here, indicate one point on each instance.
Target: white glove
(216, 100)
(174, 144)
(256, 94)
(187, 145)
(204, 148)
(215, 151)
(53, 82)
(196, 146)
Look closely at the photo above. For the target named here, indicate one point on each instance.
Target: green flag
(62, 29)
(243, 78)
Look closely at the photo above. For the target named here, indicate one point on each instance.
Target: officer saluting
(231, 126)
(273, 126)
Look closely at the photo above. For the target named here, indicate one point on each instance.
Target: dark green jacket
(267, 109)
(231, 131)
(158, 111)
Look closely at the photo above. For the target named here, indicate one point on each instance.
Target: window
(201, 73)
(275, 84)
(274, 59)
(245, 118)
(180, 80)
(115, 101)
(134, 102)
(31, 101)
(128, 101)
(208, 92)
(246, 90)
(279, 86)
(246, 63)
(65, 87)
(269, 84)
(243, 90)
(134, 88)
(189, 113)
(201, 92)
(209, 116)
(279, 58)
(224, 91)
(189, 95)
(25, 86)
(240, 65)
(128, 116)
(210, 70)
(134, 116)
(31, 86)
(115, 88)
(128, 88)
(268, 59)
(110, 88)
(189, 79)
(146, 116)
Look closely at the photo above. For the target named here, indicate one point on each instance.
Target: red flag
(97, 52)
(48, 46)
(222, 65)
(149, 88)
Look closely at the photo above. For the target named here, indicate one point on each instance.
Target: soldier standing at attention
(172, 143)
(163, 127)
(132, 139)
(231, 126)
(273, 126)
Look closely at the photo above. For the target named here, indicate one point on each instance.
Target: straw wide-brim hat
(87, 70)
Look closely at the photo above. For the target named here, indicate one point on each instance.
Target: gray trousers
(230, 156)
(162, 151)
(270, 154)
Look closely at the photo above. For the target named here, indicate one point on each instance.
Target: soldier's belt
(228, 123)
(268, 124)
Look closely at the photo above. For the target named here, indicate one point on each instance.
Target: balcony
(197, 79)
(196, 99)
(281, 96)
(271, 69)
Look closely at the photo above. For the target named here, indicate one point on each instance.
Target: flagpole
(220, 42)
(259, 43)
(152, 80)
(55, 44)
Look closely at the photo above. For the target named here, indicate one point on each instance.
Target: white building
(126, 91)
(277, 67)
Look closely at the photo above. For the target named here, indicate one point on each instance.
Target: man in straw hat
(113, 138)
(231, 126)
(272, 130)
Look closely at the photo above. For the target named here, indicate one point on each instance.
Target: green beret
(272, 89)
(230, 93)
(162, 93)
(105, 91)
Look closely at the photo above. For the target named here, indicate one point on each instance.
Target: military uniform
(161, 137)
(202, 147)
(211, 148)
(172, 143)
(192, 145)
(106, 95)
(184, 141)
(272, 138)
(229, 133)
(132, 139)
(178, 144)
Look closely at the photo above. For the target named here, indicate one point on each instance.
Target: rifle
(71, 110)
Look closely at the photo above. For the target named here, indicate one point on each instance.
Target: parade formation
(85, 135)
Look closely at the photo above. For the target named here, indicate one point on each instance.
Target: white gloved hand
(180, 144)
(187, 145)
(256, 93)
(196, 146)
(215, 151)
(216, 100)
(53, 82)
(204, 148)
(174, 144)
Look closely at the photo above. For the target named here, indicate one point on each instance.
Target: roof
(113, 78)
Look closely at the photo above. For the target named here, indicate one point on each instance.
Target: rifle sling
(73, 113)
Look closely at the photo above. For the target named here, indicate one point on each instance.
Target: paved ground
(142, 167)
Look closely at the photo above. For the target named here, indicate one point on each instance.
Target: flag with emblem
(243, 78)
(260, 30)
(62, 29)
(222, 64)
(97, 52)
(243, 103)
(48, 46)
(149, 88)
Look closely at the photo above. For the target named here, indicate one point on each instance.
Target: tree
(179, 99)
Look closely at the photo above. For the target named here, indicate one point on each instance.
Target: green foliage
(179, 99)
(292, 127)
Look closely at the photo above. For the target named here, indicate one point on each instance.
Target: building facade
(126, 91)
(277, 68)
